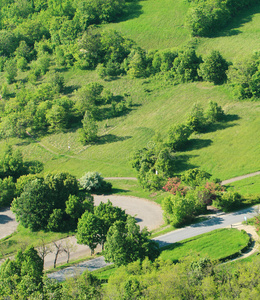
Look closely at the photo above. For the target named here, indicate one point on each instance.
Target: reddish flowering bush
(174, 186)
(210, 192)
(257, 222)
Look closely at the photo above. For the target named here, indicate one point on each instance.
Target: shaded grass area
(218, 245)
(132, 188)
(247, 186)
(23, 237)
(104, 273)
(239, 39)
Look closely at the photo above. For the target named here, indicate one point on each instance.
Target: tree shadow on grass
(70, 89)
(196, 144)
(225, 123)
(181, 163)
(111, 138)
(118, 191)
(26, 142)
(132, 11)
(235, 23)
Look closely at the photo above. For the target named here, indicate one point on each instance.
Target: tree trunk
(55, 260)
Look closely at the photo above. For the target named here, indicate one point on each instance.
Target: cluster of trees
(117, 233)
(191, 193)
(60, 21)
(23, 278)
(41, 37)
(195, 277)
(244, 76)
(157, 162)
(44, 108)
(53, 202)
(12, 167)
(206, 17)
(179, 66)
(153, 164)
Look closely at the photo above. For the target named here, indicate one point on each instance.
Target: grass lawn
(155, 24)
(132, 188)
(220, 151)
(246, 186)
(217, 244)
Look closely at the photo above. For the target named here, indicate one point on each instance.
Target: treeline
(206, 17)
(55, 202)
(195, 277)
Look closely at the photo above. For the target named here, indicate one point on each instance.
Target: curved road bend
(220, 220)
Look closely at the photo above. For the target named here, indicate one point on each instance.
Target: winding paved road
(147, 214)
(220, 220)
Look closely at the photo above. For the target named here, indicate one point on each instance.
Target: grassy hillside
(156, 24)
(247, 186)
(231, 149)
(227, 150)
(217, 244)
(239, 39)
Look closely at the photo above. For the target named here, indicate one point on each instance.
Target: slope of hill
(228, 150)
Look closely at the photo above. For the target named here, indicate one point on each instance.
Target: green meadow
(226, 150)
(218, 244)
(246, 186)
(229, 149)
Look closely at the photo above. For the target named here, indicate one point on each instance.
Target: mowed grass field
(215, 245)
(155, 24)
(246, 186)
(218, 244)
(229, 149)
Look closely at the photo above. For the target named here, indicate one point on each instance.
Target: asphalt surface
(90, 265)
(217, 221)
(8, 223)
(147, 213)
(220, 220)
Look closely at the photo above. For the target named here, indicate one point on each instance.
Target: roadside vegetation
(168, 93)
